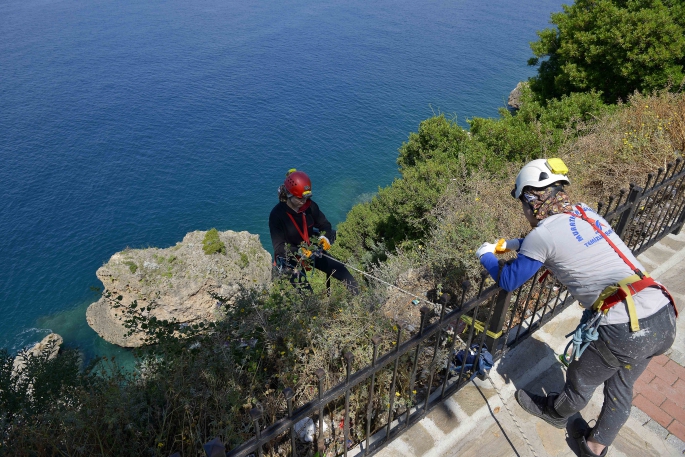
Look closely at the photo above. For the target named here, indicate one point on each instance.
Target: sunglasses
(304, 197)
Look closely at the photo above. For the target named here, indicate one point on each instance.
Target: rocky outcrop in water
(514, 100)
(177, 283)
(47, 348)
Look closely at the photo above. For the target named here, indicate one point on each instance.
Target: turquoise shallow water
(128, 123)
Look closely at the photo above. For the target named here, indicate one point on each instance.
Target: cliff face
(177, 282)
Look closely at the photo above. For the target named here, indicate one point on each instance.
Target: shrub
(211, 244)
(442, 156)
(611, 46)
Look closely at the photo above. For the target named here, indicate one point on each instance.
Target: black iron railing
(402, 386)
(641, 217)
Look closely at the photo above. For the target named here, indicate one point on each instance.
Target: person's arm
(278, 234)
(321, 223)
(514, 273)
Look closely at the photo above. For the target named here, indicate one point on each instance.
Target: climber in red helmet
(294, 221)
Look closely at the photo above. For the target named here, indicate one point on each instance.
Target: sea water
(128, 124)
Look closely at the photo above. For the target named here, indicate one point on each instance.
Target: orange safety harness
(304, 233)
(626, 288)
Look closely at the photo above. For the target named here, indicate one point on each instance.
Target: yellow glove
(305, 252)
(323, 241)
(503, 245)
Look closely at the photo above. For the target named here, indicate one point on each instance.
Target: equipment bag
(467, 358)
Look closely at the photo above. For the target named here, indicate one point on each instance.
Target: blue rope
(583, 335)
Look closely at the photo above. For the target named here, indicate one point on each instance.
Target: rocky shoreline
(178, 283)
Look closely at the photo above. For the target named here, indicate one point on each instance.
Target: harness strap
(627, 287)
(304, 233)
(594, 225)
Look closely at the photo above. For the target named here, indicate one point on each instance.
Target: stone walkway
(484, 419)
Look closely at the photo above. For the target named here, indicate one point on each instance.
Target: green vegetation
(131, 266)
(196, 382)
(443, 155)
(612, 46)
(212, 244)
(454, 189)
(200, 381)
(244, 259)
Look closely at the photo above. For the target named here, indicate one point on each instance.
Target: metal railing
(400, 387)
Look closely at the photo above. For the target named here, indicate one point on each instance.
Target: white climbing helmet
(539, 174)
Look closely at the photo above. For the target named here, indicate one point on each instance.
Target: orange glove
(503, 245)
(323, 241)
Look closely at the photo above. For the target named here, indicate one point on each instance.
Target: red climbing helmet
(297, 183)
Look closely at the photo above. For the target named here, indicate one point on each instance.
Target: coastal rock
(514, 100)
(47, 348)
(177, 283)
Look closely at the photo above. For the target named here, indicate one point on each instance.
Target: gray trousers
(617, 359)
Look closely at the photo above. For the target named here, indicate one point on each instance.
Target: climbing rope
(583, 335)
(513, 417)
(487, 374)
(385, 282)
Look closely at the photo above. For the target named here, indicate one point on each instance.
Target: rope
(499, 394)
(511, 414)
(583, 335)
(385, 282)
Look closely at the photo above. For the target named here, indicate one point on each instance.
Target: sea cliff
(178, 283)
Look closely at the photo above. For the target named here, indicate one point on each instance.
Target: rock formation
(48, 348)
(514, 100)
(177, 283)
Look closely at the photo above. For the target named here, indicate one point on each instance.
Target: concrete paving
(483, 419)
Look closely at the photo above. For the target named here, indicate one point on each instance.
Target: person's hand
(485, 248)
(325, 243)
(508, 245)
(305, 252)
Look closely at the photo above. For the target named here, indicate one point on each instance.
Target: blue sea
(129, 123)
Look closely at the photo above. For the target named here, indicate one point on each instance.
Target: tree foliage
(612, 46)
(443, 154)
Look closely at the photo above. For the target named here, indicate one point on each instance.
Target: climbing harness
(627, 287)
(587, 330)
(304, 233)
(304, 252)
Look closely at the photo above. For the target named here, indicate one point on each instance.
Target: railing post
(376, 340)
(346, 419)
(256, 414)
(627, 215)
(497, 320)
(288, 393)
(320, 446)
(681, 222)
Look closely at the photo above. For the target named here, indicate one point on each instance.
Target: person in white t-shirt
(584, 253)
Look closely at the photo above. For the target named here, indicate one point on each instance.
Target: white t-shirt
(586, 264)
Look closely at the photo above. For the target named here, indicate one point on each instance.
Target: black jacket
(284, 232)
